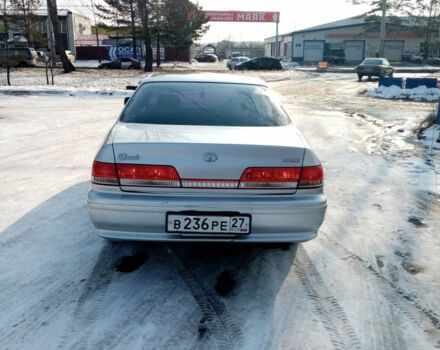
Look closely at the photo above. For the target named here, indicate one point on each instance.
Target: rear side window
(216, 104)
(372, 62)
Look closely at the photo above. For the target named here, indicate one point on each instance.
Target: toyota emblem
(210, 157)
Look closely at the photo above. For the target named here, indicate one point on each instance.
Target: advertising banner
(240, 16)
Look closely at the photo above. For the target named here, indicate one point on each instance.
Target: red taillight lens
(147, 175)
(270, 178)
(311, 177)
(104, 174)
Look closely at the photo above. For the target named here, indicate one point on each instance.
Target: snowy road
(369, 281)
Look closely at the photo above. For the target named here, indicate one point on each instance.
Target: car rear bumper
(142, 217)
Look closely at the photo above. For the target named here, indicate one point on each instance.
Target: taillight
(311, 177)
(270, 178)
(104, 174)
(147, 175)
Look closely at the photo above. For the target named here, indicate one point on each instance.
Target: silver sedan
(205, 157)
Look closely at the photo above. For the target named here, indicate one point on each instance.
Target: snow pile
(431, 136)
(289, 65)
(421, 93)
(44, 90)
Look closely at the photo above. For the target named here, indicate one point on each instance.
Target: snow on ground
(289, 65)
(369, 281)
(81, 79)
(421, 93)
(45, 90)
(431, 137)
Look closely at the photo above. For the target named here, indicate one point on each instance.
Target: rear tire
(360, 76)
(369, 78)
(285, 246)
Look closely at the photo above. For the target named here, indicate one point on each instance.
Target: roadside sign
(240, 16)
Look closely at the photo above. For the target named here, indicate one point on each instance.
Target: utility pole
(383, 6)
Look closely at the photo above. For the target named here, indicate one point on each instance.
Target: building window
(63, 26)
(41, 26)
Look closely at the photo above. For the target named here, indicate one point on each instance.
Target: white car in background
(233, 62)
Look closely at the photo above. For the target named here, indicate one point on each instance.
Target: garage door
(313, 51)
(354, 50)
(393, 50)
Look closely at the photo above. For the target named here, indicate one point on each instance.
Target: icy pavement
(369, 281)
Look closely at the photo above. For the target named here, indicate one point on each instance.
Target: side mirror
(126, 100)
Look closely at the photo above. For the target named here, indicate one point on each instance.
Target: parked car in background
(19, 56)
(41, 53)
(233, 62)
(417, 59)
(206, 58)
(335, 57)
(260, 63)
(122, 63)
(206, 157)
(377, 67)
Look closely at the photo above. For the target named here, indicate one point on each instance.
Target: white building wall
(81, 25)
(285, 48)
(338, 36)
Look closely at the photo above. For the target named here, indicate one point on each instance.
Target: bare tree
(157, 28)
(143, 7)
(25, 11)
(47, 61)
(53, 12)
(5, 55)
(424, 20)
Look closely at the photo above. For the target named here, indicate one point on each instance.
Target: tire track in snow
(407, 298)
(328, 309)
(96, 286)
(405, 303)
(227, 334)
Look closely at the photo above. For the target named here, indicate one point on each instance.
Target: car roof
(374, 58)
(205, 78)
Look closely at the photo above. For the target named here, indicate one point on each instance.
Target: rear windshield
(216, 104)
(373, 62)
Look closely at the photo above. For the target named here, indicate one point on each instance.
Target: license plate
(218, 224)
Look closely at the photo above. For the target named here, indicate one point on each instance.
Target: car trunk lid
(208, 158)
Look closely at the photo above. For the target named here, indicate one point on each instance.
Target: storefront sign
(239, 16)
(127, 51)
(390, 35)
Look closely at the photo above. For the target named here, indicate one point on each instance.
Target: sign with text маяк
(239, 16)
